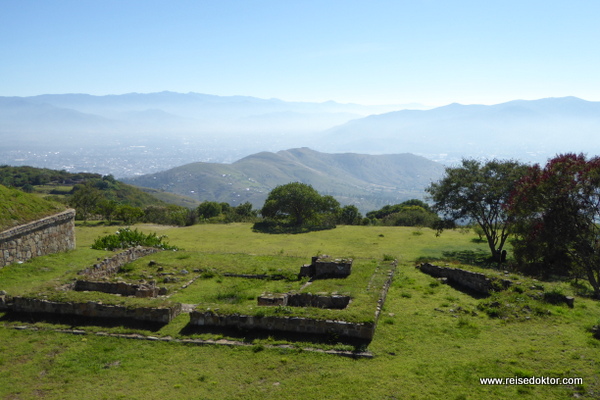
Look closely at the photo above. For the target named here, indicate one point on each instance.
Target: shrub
(126, 238)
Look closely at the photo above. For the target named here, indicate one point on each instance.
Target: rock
(570, 300)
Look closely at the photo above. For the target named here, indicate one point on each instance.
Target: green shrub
(126, 238)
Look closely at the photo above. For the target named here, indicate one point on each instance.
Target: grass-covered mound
(17, 207)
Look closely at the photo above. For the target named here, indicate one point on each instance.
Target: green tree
(85, 200)
(557, 210)
(479, 193)
(209, 209)
(129, 214)
(107, 208)
(411, 216)
(349, 215)
(298, 203)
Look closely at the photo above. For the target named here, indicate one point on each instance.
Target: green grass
(432, 340)
(17, 207)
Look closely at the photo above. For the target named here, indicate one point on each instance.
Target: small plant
(283, 310)
(388, 257)
(257, 348)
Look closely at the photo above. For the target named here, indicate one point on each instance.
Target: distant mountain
(175, 112)
(139, 133)
(367, 181)
(136, 133)
(527, 130)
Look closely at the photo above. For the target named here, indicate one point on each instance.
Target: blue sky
(368, 52)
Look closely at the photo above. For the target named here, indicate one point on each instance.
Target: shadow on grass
(478, 257)
(275, 228)
(249, 336)
(77, 321)
(470, 292)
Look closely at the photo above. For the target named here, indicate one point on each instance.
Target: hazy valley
(233, 148)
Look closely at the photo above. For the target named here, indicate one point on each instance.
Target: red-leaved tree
(556, 210)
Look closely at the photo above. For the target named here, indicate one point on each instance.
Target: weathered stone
(96, 309)
(45, 236)
(325, 267)
(471, 280)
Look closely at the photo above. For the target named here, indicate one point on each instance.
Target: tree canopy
(479, 192)
(297, 204)
(557, 209)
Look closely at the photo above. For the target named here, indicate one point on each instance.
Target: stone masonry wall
(335, 301)
(96, 309)
(323, 267)
(471, 280)
(110, 266)
(38, 238)
(363, 331)
(122, 288)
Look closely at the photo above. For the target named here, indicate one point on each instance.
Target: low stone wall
(362, 331)
(385, 289)
(122, 288)
(110, 266)
(323, 267)
(95, 309)
(38, 238)
(475, 281)
(337, 302)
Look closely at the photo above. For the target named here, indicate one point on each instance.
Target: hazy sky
(369, 52)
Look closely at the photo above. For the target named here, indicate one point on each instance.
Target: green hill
(59, 185)
(17, 207)
(367, 181)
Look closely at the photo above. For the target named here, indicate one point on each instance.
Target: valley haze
(135, 134)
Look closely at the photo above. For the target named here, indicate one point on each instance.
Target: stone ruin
(318, 300)
(325, 267)
(321, 267)
(473, 281)
(109, 267)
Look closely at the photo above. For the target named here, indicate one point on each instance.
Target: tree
(209, 209)
(557, 209)
(412, 212)
(349, 215)
(297, 203)
(479, 192)
(129, 214)
(85, 198)
(107, 208)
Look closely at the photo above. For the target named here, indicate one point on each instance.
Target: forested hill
(367, 181)
(59, 184)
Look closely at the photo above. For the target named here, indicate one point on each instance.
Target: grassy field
(432, 341)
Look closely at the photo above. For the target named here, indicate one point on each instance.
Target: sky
(365, 52)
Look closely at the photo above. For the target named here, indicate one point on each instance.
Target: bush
(126, 238)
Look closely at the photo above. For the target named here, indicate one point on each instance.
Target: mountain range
(135, 134)
(527, 130)
(367, 181)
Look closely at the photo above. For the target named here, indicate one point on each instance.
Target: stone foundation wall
(38, 238)
(122, 288)
(337, 302)
(323, 267)
(363, 331)
(95, 309)
(475, 281)
(110, 266)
